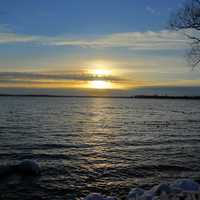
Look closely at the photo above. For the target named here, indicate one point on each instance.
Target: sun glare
(100, 84)
(100, 69)
(101, 72)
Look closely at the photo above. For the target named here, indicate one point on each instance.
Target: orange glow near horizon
(98, 84)
(95, 75)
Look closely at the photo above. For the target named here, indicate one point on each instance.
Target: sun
(100, 68)
(100, 84)
(100, 72)
(101, 75)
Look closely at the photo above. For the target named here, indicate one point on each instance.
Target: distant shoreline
(62, 96)
(165, 97)
(95, 96)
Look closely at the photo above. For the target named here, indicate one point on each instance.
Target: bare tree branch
(188, 17)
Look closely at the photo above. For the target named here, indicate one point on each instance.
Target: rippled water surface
(97, 144)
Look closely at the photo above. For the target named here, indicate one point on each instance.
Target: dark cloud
(24, 77)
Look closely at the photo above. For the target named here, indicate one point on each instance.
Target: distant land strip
(164, 97)
(66, 96)
(95, 96)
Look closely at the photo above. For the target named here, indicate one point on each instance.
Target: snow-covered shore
(181, 189)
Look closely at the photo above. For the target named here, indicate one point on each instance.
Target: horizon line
(142, 96)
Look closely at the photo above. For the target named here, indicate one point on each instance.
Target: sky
(91, 47)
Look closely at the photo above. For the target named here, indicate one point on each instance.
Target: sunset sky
(91, 45)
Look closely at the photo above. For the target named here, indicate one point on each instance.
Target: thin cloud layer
(7, 37)
(29, 76)
(161, 40)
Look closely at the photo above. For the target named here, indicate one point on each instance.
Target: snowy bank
(181, 189)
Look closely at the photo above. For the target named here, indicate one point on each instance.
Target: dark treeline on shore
(165, 97)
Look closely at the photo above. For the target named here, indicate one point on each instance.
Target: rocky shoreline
(181, 189)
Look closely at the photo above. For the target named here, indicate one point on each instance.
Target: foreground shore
(181, 189)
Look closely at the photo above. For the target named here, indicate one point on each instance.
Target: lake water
(97, 144)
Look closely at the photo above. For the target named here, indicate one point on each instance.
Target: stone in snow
(28, 167)
(161, 188)
(135, 193)
(147, 196)
(186, 185)
(97, 196)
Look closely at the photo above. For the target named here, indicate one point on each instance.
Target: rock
(28, 167)
(161, 188)
(135, 193)
(97, 196)
(187, 185)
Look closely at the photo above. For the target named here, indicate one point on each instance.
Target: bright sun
(100, 84)
(100, 73)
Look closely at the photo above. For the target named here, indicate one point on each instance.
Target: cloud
(11, 77)
(8, 37)
(151, 10)
(56, 80)
(150, 40)
(162, 40)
